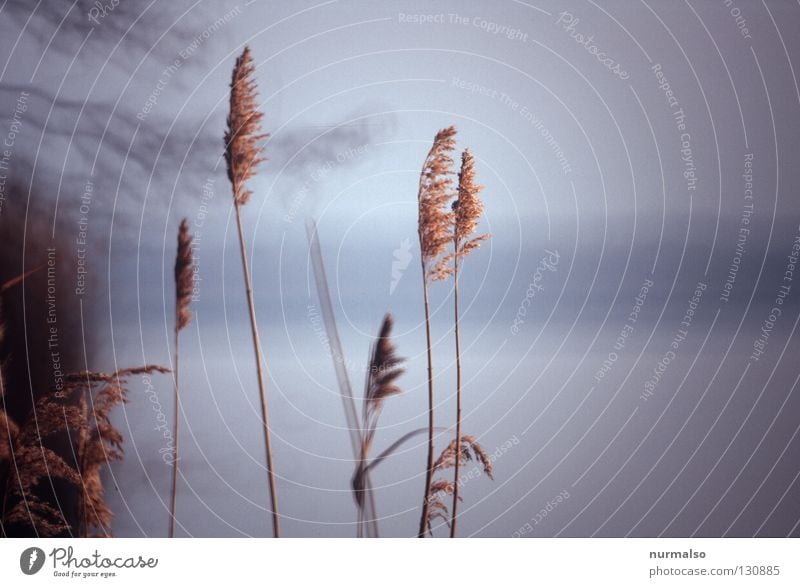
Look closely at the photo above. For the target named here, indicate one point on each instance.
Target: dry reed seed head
(242, 153)
(86, 377)
(383, 371)
(47, 520)
(469, 449)
(380, 384)
(52, 417)
(99, 443)
(36, 465)
(442, 269)
(96, 513)
(183, 277)
(480, 455)
(443, 486)
(468, 208)
(435, 191)
(102, 446)
(437, 509)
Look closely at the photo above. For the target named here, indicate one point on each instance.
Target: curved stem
(276, 529)
(393, 447)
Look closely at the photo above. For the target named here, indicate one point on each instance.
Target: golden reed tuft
(242, 153)
(467, 210)
(434, 229)
(435, 192)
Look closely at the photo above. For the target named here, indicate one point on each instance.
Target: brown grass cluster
(82, 411)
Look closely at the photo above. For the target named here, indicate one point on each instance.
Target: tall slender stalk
(242, 155)
(183, 296)
(467, 210)
(458, 390)
(433, 228)
(383, 370)
(260, 373)
(176, 447)
(423, 527)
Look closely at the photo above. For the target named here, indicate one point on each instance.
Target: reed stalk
(183, 296)
(242, 155)
(467, 210)
(434, 234)
(458, 390)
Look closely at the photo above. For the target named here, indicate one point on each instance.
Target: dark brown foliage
(82, 410)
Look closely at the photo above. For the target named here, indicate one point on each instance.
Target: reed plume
(99, 441)
(455, 454)
(183, 297)
(383, 370)
(9, 430)
(467, 210)
(242, 155)
(434, 230)
(82, 410)
(242, 137)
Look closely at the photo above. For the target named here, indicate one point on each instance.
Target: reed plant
(382, 371)
(467, 210)
(183, 316)
(81, 409)
(434, 192)
(242, 155)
